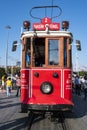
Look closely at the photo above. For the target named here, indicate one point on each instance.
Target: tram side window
(53, 53)
(70, 58)
(65, 52)
(28, 56)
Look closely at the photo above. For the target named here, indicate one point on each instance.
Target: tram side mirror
(78, 45)
(14, 46)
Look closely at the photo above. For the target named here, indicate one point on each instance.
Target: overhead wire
(52, 10)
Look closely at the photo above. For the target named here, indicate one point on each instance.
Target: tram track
(64, 123)
(41, 121)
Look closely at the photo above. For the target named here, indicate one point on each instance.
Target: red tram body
(46, 73)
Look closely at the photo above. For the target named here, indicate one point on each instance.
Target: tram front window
(53, 58)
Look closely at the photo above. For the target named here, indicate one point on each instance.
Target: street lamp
(8, 28)
(78, 47)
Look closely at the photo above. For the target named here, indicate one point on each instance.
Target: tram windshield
(43, 52)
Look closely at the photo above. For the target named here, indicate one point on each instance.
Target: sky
(14, 12)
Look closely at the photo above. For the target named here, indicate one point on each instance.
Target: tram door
(39, 52)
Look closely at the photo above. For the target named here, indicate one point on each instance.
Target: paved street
(12, 119)
(10, 116)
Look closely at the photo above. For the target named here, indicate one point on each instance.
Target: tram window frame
(28, 52)
(53, 63)
(65, 52)
(64, 46)
(69, 53)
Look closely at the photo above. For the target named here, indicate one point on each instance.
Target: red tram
(46, 72)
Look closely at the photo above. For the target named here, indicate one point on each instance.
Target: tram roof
(46, 34)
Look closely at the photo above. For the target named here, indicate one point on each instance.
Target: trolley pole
(8, 28)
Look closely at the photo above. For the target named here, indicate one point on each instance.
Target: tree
(2, 72)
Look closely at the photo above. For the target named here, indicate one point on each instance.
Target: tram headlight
(46, 88)
(65, 25)
(26, 25)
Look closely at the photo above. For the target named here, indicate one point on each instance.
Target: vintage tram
(46, 68)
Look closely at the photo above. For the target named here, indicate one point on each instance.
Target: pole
(8, 28)
(76, 62)
(0, 61)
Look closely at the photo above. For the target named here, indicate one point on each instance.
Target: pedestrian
(8, 86)
(80, 84)
(18, 84)
(77, 85)
(3, 83)
(85, 89)
(73, 84)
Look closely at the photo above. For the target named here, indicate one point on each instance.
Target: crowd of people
(80, 85)
(7, 84)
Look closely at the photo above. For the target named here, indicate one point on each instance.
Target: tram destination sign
(46, 22)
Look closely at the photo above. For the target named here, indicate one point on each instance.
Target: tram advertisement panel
(67, 83)
(24, 84)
